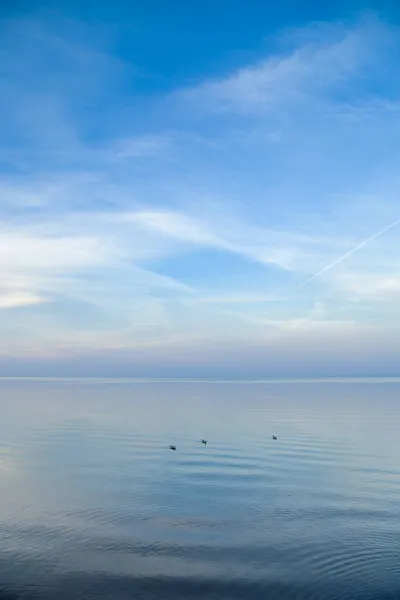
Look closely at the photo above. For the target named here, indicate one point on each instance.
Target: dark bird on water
(203, 441)
(274, 437)
(172, 447)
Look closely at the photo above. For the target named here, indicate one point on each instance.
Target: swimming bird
(274, 437)
(172, 447)
(203, 441)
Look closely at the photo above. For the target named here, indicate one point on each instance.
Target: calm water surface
(93, 504)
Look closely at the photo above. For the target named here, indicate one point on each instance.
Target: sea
(95, 505)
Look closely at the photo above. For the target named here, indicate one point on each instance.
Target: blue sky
(187, 192)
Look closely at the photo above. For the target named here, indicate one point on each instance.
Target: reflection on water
(93, 504)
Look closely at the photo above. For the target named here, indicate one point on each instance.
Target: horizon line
(115, 380)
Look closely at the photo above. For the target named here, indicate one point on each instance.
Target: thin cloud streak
(350, 252)
(137, 229)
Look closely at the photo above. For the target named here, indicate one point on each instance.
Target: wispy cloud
(10, 299)
(265, 245)
(312, 62)
(239, 299)
(143, 146)
(189, 219)
(369, 285)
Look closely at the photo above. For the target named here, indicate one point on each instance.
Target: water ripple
(95, 505)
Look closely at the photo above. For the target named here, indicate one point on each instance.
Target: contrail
(350, 252)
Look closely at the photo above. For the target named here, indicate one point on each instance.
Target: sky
(199, 189)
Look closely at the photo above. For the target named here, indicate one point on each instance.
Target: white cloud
(142, 146)
(21, 251)
(323, 57)
(28, 260)
(262, 244)
(359, 285)
(89, 223)
(239, 298)
(13, 300)
(174, 225)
